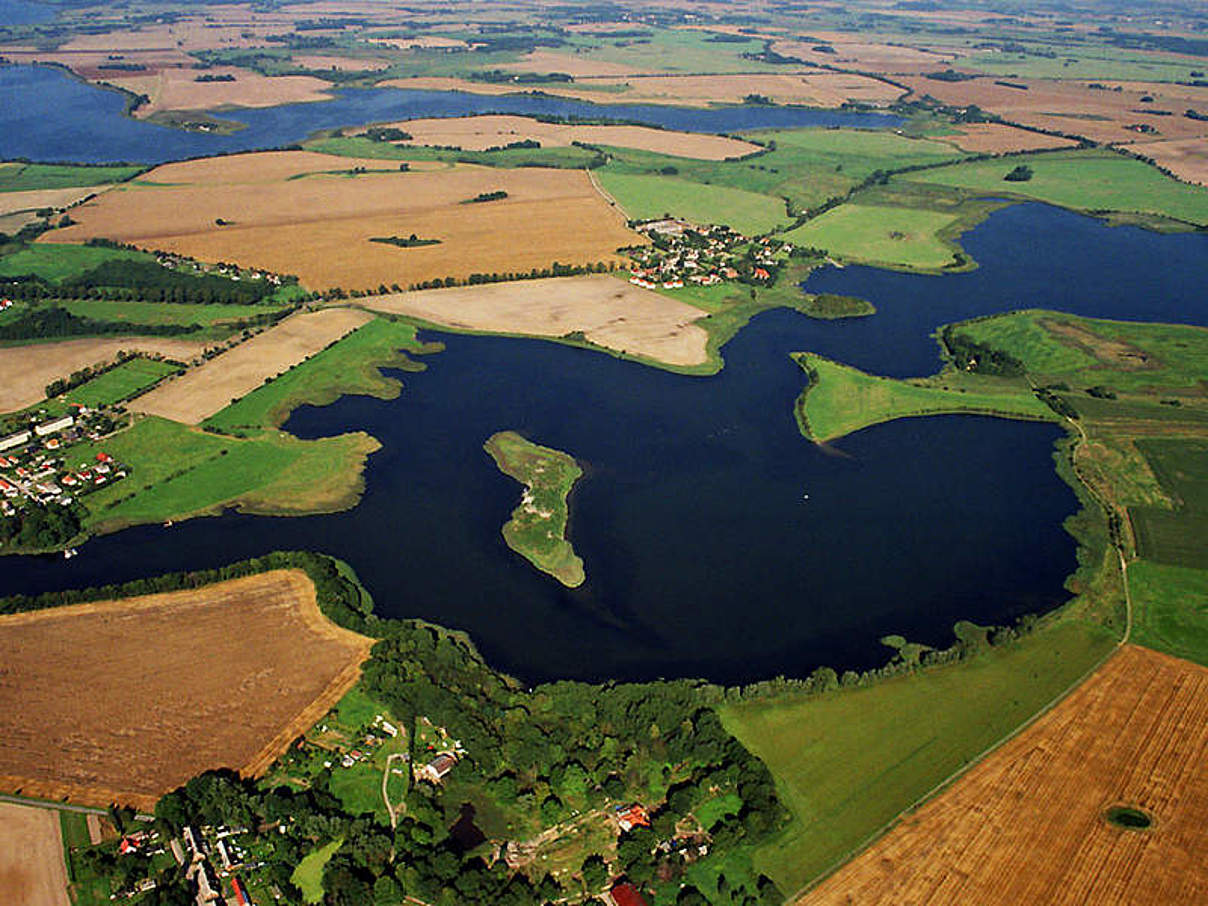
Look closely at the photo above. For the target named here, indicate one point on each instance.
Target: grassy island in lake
(537, 529)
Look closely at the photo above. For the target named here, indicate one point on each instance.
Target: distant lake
(46, 115)
(703, 555)
(22, 12)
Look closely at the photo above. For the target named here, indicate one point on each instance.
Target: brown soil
(125, 700)
(477, 133)
(26, 370)
(610, 313)
(320, 227)
(32, 872)
(199, 393)
(1027, 824)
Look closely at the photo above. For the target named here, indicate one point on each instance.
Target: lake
(46, 115)
(702, 554)
(22, 12)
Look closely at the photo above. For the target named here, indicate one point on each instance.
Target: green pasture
(121, 383)
(159, 313)
(894, 237)
(848, 762)
(57, 262)
(1112, 63)
(1175, 537)
(1097, 181)
(22, 177)
(671, 50)
(1170, 608)
(178, 471)
(841, 400)
(648, 197)
(350, 366)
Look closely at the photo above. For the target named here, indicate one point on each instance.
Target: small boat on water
(70, 552)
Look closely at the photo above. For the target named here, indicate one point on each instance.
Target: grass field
(178, 472)
(309, 873)
(1028, 824)
(893, 237)
(648, 197)
(156, 313)
(121, 383)
(351, 366)
(63, 262)
(1083, 180)
(848, 762)
(1083, 63)
(20, 177)
(75, 726)
(1170, 609)
(841, 400)
(538, 527)
(1175, 537)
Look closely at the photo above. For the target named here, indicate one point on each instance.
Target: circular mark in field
(1128, 818)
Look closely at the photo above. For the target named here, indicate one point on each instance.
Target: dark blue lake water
(702, 556)
(47, 115)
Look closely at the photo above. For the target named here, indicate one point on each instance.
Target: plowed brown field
(1027, 824)
(300, 213)
(125, 700)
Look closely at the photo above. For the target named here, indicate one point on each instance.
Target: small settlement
(682, 253)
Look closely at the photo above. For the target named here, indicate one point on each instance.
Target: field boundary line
(595, 184)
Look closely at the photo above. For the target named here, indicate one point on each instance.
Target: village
(36, 467)
(684, 254)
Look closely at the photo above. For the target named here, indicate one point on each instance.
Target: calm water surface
(47, 115)
(702, 554)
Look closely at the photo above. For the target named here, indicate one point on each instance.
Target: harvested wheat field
(32, 871)
(477, 133)
(178, 89)
(33, 199)
(122, 701)
(308, 214)
(609, 312)
(997, 138)
(26, 370)
(1186, 158)
(199, 393)
(1028, 824)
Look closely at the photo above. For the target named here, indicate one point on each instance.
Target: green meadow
(1170, 608)
(158, 313)
(57, 262)
(840, 400)
(22, 177)
(308, 875)
(892, 237)
(649, 197)
(1097, 181)
(121, 383)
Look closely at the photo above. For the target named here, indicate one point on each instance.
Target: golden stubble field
(1027, 825)
(302, 213)
(609, 312)
(123, 701)
(201, 392)
(477, 133)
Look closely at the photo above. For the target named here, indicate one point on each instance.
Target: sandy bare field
(32, 200)
(32, 872)
(26, 370)
(1185, 158)
(609, 312)
(477, 133)
(1027, 825)
(818, 89)
(201, 392)
(178, 89)
(320, 227)
(126, 700)
(996, 138)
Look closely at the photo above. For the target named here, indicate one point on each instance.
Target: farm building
(59, 424)
(436, 769)
(625, 895)
(631, 816)
(15, 440)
